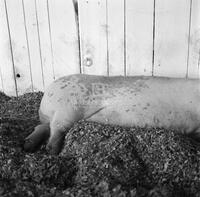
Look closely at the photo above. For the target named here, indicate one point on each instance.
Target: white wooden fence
(42, 40)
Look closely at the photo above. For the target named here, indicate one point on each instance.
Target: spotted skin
(125, 101)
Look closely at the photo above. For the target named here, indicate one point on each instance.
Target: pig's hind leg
(60, 124)
(37, 137)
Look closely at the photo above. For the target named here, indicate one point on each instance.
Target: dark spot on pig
(145, 108)
(62, 87)
(72, 94)
(148, 104)
(140, 84)
(50, 94)
(86, 98)
(127, 110)
(60, 99)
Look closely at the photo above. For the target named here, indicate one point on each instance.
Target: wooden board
(6, 66)
(171, 37)
(34, 45)
(2, 16)
(6, 55)
(194, 41)
(93, 34)
(64, 37)
(19, 45)
(139, 36)
(115, 38)
(1, 81)
(45, 41)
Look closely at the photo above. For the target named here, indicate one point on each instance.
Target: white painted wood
(115, 18)
(19, 45)
(171, 37)
(194, 47)
(93, 31)
(7, 82)
(1, 77)
(45, 41)
(1, 81)
(34, 45)
(64, 37)
(139, 37)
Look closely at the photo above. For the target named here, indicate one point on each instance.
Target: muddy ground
(97, 160)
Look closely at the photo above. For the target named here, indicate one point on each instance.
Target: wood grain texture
(6, 65)
(93, 34)
(139, 37)
(45, 41)
(194, 41)
(34, 44)
(18, 46)
(64, 37)
(115, 23)
(42, 40)
(171, 37)
(1, 81)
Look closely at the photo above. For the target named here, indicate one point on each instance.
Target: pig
(131, 101)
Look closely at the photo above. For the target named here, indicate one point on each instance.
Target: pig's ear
(37, 137)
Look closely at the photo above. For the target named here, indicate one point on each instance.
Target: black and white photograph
(99, 98)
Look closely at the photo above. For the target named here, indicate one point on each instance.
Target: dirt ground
(97, 160)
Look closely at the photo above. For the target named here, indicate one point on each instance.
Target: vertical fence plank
(1, 79)
(194, 44)
(171, 37)
(33, 37)
(64, 37)
(139, 36)
(115, 36)
(6, 66)
(93, 34)
(45, 41)
(19, 45)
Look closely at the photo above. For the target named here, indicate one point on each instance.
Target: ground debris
(97, 160)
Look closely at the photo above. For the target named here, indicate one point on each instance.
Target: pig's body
(126, 101)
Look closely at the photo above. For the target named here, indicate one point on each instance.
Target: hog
(137, 101)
